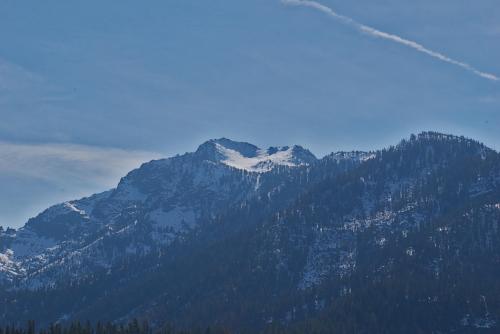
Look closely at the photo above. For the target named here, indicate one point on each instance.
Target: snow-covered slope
(154, 205)
(253, 159)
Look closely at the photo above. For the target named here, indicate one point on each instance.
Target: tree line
(77, 327)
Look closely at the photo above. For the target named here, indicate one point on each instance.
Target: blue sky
(88, 90)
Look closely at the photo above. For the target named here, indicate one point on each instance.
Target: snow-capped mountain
(248, 157)
(150, 208)
(236, 235)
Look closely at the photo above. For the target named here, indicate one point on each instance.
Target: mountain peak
(212, 146)
(437, 138)
(246, 156)
(433, 136)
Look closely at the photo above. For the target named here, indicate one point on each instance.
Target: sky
(91, 89)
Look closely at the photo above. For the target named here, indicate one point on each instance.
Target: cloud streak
(391, 37)
(79, 163)
(36, 176)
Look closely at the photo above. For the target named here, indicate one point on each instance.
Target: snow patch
(177, 220)
(262, 162)
(72, 207)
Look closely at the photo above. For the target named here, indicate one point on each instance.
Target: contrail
(391, 37)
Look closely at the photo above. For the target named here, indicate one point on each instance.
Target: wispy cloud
(391, 37)
(67, 163)
(34, 177)
(24, 90)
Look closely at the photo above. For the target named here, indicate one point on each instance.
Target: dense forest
(402, 240)
(134, 327)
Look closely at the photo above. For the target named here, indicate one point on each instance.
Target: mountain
(248, 157)
(404, 239)
(151, 207)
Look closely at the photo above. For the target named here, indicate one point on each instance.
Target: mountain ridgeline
(401, 240)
